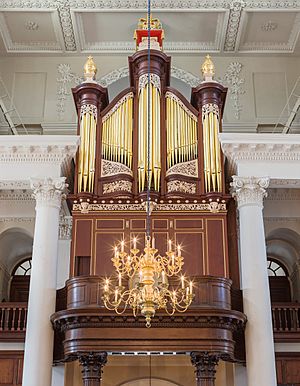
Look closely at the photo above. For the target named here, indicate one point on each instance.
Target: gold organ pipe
(86, 151)
(117, 133)
(92, 150)
(218, 155)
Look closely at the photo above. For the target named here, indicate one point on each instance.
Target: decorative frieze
(181, 187)
(117, 186)
(211, 206)
(249, 191)
(210, 108)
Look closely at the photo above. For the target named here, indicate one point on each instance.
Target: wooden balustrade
(13, 318)
(286, 321)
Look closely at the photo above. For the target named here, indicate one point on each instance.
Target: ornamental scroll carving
(210, 108)
(88, 109)
(111, 168)
(188, 169)
(181, 187)
(117, 186)
(154, 79)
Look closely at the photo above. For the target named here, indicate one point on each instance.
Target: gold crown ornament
(154, 23)
(208, 69)
(90, 70)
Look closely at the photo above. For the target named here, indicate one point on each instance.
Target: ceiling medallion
(269, 26)
(31, 25)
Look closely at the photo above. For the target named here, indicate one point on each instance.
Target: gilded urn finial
(90, 70)
(208, 69)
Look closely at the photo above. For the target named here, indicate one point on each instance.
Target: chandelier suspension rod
(148, 223)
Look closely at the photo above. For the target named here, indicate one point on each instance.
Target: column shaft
(260, 356)
(38, 356)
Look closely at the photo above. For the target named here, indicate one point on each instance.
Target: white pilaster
(42, 296)
(249, 193)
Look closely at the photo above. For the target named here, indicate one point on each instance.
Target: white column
(260, 358)
(42, 295)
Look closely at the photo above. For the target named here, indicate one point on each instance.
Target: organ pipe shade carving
(154, 156)
(211, 148)
(86, 160)
(117, 132)
(181, 124)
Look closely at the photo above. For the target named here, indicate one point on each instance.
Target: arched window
(280, 288)
(276, 269)
(23, 268)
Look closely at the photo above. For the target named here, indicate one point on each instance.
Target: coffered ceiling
(191, 26)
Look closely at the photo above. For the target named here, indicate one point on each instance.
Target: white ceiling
(191, 26)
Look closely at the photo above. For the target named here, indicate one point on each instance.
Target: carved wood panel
(11, 368)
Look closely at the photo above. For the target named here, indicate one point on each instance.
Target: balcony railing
(286, 321)
(13, 318)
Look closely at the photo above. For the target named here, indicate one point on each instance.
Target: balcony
(286, 322)
(13, 318)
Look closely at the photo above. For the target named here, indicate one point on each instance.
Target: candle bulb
(163, 276)
(173, 259)
(182, 282)
(141, 275)
(134, 243)
(178, 250)
(120, 279)
(105, 288)
(116, 295)
(122, 245)
(170, 245)
(153, 242)
(191, 287)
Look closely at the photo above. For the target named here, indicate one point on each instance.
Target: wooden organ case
(188, 202)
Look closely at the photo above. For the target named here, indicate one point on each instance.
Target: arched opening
(15, 248)
(283, 246)
(280, 289)
(19, 287)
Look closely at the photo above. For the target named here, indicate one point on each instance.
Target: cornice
(37, 148)
(259, 147)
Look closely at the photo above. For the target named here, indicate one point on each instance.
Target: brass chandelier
(143, 278)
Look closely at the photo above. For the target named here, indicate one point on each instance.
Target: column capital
(249, 191)
(48, 191)
(205, 364)
(92, 365)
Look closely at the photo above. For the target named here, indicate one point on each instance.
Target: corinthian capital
(48, 191)
(249, 190)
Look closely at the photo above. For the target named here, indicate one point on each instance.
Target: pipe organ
(189, 207)
(185, 156)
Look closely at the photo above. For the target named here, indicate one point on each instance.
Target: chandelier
(145, 281)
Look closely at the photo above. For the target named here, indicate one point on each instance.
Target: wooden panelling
(192, 250)
(110, 224)
(104, 244)
(83, 237)
(11, 368)
(216, 249)
(137, 224)
(158, 224)
(193, 223)
(288, 368)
